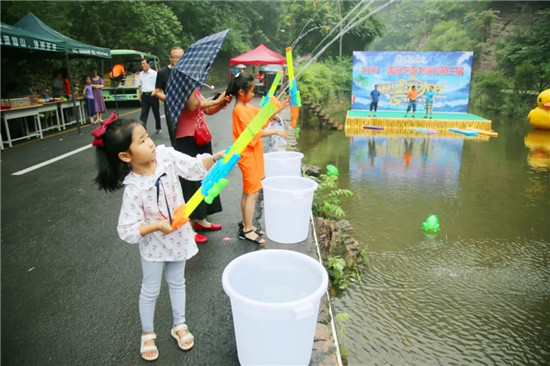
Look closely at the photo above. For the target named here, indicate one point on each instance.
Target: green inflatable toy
(431, 225)
(332, 170)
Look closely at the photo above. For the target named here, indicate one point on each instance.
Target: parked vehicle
(269, 72)
(127, 88)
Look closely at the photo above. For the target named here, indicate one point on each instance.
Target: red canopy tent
(260, 55)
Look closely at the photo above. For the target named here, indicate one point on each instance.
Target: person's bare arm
(217, 104)
(159, 93)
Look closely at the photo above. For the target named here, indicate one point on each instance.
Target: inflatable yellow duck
(540, 116)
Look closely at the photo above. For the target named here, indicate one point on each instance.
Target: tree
(308, 22)
(528, 45)
(446, 37)
(251, 22)
(410, 23)
(145, 26)
(491, 86)
(480, 22)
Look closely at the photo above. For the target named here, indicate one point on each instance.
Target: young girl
(126, 156)
(252, 158)
(89, 94)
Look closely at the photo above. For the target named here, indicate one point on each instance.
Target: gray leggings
(150, 289)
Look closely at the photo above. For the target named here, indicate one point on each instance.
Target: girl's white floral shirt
(141, 206)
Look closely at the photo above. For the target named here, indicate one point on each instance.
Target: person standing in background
(89, 95)
(412, 94)
(251, 162)
(196, 108)
(118, 74)
(160, 87)
(374, 98)
(99, 101)
(430, 95)
(66, 82)
(146, 83)
(57, 84)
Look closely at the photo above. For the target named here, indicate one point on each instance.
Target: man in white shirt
(146, 82)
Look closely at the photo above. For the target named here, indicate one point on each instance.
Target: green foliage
(340, 273)
(517, 105)
(401, 20)
(409, 23)
(341, 320)
(448, 36)
(480, 22)
(336, 267)
(490, 88)
(328, 84)
(311, 20)
(326, 201)
(528, 45)
(314, 83)
(525, 77)
(145, 26)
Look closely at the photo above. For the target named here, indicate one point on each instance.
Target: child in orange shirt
(252, 158)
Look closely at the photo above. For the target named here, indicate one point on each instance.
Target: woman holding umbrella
(187, 106)
(195, 108)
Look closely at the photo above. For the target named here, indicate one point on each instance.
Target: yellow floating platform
(395, 124)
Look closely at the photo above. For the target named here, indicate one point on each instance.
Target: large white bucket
(287, 205)
(275, 297)
(279, 163)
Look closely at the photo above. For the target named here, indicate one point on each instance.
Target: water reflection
(478, 292)
(538, 142)
(415, 159)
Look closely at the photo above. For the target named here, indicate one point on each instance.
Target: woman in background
(99, 101)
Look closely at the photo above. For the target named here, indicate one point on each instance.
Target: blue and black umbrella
(190, 72)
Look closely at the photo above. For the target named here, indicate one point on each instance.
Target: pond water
(479, 291)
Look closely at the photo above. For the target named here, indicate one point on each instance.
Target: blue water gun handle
(295, 99)
(215, 180)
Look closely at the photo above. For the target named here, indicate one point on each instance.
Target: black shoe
(257, 240)
(257, 231)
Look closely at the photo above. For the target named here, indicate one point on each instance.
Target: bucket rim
(274, 153)
(280, 306)
(289, 177)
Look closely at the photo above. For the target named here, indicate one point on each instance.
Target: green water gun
(215, 180)
(273, 88)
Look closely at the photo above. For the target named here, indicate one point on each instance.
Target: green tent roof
(74, 48)
(23, 39)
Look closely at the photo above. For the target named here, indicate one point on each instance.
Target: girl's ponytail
(115, 137)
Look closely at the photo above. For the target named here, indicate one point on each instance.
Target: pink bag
(202, 133)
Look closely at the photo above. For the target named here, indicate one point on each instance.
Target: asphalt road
(70, 286)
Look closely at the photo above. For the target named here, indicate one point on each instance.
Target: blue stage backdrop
(396, 72)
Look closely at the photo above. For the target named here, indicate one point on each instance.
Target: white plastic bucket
(275, 297)
(287, 205)
(279, 163)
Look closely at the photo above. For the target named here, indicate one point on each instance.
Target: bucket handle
(303, 311)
